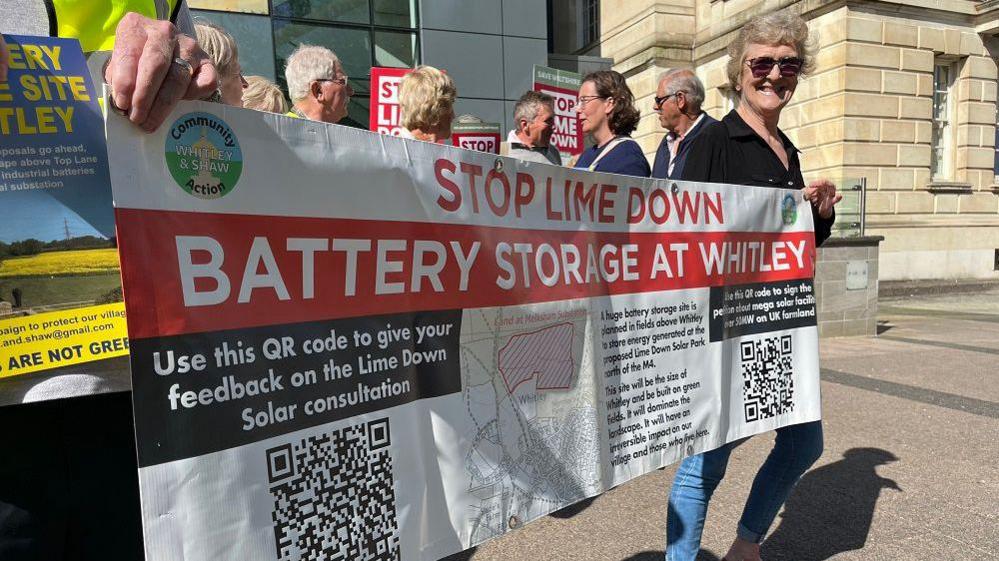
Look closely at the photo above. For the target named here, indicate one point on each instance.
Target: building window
(253, 37)
(591, 22)
(941, 142)
(573, 26)
(244, 6)
(363, 33)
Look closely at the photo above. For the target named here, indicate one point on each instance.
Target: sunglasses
(659, 101)
(789, 66)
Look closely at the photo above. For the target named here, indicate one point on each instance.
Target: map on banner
(408, 348)
(60, 290)
(531, 418)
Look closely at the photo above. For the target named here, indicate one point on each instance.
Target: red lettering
(588, 199)
(525, 192)
(606, 204)
(549, 213)
(491, 178)
(659, 216)
(715, 208)
(685, 206)
(636, 214)
(472, 171)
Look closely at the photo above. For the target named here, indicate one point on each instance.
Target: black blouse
(729, 151)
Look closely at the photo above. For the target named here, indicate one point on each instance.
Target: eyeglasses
(584, 99)
(659, 101)
(790, 66)
(340, 80)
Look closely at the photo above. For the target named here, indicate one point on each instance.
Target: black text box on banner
(229, 388)
(760, 308)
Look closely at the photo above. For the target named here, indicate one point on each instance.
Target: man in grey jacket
(534, 116)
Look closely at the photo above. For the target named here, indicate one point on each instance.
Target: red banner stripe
(537, 266)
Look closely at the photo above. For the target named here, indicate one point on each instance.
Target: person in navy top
(678, 102)
(606, 109)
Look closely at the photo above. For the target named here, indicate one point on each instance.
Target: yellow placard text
(43, 86)
(55, 339)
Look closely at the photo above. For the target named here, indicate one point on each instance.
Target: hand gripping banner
(367, 347)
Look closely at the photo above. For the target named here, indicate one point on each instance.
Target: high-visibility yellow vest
(94, 22)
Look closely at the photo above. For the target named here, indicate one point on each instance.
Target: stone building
(903, 94)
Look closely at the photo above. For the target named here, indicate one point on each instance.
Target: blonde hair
(263, 95)
(219, 46)
(426, 95)
(776, 28)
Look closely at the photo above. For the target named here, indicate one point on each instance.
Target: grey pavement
(910, 468)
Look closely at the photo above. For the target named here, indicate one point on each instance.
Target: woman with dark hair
(606, 109)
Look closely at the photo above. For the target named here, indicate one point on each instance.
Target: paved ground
(910, 469)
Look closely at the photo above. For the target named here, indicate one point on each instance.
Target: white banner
(377, 348)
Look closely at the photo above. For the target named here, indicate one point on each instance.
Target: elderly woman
(426, 104)
(746, 147)
(606, 109)
(263, 95)
(221, 49)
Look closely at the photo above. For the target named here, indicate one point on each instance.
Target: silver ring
(185, 65)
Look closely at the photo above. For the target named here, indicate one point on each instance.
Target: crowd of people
(154, 63)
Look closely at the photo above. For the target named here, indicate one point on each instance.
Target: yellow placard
(55, 339)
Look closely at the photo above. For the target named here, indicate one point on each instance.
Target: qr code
(767, 380)
(333, 496)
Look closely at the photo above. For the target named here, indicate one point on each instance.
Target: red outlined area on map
(546, 353)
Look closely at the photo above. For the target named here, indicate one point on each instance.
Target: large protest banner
(564, 87)
(376, 348)
(60, 291)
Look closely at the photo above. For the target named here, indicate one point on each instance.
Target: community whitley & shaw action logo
(203, 155)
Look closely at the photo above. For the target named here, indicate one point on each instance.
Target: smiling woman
(746, 147)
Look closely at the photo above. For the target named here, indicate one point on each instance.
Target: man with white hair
(678, 102)
(317, 86)
(534, 117)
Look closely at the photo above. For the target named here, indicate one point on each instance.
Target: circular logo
(789, 210)
(203, 155)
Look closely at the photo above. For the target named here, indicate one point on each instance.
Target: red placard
(384, 116)
(564, 87)
(481, 141)
(484, 137)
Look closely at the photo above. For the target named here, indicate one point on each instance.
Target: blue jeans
(796, 448)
